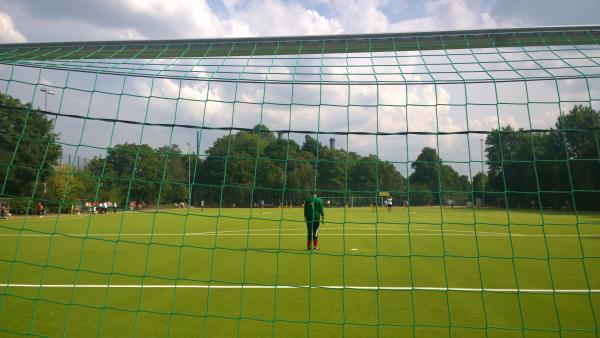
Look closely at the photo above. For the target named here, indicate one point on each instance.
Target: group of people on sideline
(100, 207)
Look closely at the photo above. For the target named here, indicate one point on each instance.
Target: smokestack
(279, 135)
(332, 143)
(306, 138)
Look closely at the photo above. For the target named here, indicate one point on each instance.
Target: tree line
(558, 168)
(526, 168)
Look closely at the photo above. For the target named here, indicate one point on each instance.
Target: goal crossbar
(286, 45)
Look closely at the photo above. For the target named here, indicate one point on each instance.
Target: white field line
(464, 233)
(336, 287)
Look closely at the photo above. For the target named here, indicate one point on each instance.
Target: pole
(46, 93)
(197, 143)
(189, 177)
(482, 176)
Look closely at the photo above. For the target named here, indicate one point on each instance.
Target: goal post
(503, 123)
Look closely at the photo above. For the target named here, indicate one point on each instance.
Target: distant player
(3, 210)
(202, 205)
(373, 206)
(313, 211)
(389, 204)
(40, 209)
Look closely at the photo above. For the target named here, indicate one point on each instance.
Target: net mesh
(459, 173)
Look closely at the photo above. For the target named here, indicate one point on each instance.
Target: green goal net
(159, 188)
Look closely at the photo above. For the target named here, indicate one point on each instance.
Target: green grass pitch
(472, 275)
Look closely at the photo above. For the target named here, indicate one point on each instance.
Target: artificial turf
(424, 272)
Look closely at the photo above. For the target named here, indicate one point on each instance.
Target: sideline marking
(337, 287)
(245, 233)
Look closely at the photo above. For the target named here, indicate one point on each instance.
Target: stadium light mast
(46, 92)
(189, 176)
(482, 175)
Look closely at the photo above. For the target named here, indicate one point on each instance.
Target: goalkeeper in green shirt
(313, 212)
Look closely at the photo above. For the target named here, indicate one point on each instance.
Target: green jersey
(313, 209)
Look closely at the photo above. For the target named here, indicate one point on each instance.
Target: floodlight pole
(189, 176)
(482, 176)
(46, 92)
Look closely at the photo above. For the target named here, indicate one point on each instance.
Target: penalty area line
(430, 233)
(337, 287)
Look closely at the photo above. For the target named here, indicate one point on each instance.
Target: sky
(71, 20)
(223, 104)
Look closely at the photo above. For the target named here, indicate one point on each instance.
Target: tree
(362, 174)
(574, 129)
(424, 181)
(129, 172)
(67, 185)
(175, 181)
(576, 142)
(28, 148)
(329, 165)
(371, 174)
(232, 161)
(551, 167)
(480, 181)
(290, 164)
(426, 169)
(436, 182)
(511, 167)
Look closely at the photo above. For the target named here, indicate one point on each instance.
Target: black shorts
(312, 228)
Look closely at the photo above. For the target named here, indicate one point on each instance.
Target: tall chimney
(306, 138)
(332, 143)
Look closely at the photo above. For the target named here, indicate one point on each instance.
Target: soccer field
(245, 272)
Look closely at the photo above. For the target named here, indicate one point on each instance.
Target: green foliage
(553, 169)
(286, 171)
(480, 181)
(135, 172)
(28, 149)
(67, 185)
(436, 183)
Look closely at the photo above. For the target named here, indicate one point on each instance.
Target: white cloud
(459, 14)
(160, 19)
(361, 15)
(154, 19)
(276, 18)
(183, 18)
(8, 32)
(448, 14)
